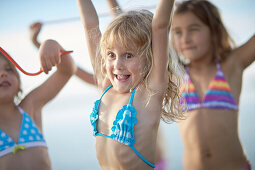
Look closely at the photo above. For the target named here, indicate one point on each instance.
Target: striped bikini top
(218, 95)
(29, 136)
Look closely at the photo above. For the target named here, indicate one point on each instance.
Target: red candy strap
(62, 52)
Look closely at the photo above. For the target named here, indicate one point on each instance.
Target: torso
(114, 155)
(210, 136)
(31, 158)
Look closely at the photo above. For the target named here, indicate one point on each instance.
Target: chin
(122, 90)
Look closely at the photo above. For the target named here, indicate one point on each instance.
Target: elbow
(160, 25)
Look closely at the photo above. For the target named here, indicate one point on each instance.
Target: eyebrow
(191, 25)
(194, 25)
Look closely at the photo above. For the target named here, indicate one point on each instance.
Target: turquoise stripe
(191, 94)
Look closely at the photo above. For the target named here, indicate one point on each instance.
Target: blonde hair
(133, 29)
(17, 97)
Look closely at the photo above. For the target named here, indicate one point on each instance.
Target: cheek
(176, 44)
(138, 67)
(17, 85)
(108, 65)
(204, 43)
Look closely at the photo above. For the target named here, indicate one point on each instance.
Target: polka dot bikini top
(29, 136)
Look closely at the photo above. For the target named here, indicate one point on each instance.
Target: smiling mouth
(188, 48)
(5, 84)
(121, 77)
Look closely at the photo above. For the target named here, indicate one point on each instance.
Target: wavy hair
(134, 29)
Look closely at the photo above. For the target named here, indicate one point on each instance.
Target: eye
(193, 29)
(128, 55)
(8, 69)
(110, 55)
(177, 33)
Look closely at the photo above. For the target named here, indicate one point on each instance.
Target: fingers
(48, 61)
(36, 25)
(49, 55)
(48, 66)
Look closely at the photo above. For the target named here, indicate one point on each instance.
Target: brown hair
(209, 14)
(16, 73)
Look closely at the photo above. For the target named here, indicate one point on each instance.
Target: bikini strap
(219, 70)
(139, 155)
(106, 90)
(20, 110)
(132, 97)
(218, 65)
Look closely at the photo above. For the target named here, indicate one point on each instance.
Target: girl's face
(9, 83)
(124, 68)
(192, 38)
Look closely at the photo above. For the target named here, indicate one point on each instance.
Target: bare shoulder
(103, 83)
(148, 104)
(243, 55)
(28, 106)
(149, 96)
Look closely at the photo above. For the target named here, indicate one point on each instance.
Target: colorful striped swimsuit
(218, 95)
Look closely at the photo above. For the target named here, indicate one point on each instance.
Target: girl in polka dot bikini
(22, 145)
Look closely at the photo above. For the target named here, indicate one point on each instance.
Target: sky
(17, 15)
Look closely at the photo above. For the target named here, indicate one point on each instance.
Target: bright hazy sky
(17, 15)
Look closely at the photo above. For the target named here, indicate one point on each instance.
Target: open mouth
(121, 77)
(5, 84)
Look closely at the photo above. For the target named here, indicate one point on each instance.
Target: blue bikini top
(123, 126)
(29, 136)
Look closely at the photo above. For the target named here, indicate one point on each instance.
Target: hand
(50, 55)
(35, 29)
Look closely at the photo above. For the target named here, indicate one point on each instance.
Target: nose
(119, 63)
(186, 37)
(3, 73)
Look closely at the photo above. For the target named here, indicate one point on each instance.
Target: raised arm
(85, 76)
(50, 56)
(160, 42)
(90, 22)
(245, 54)
(35, 29)
(114, 7)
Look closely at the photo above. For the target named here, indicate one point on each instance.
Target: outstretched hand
(35, 29)
(50, 55)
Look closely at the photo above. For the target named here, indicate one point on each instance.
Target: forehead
(185, 20)
(121, 45)
(3, 61)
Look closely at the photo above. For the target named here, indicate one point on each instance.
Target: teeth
(121, 77)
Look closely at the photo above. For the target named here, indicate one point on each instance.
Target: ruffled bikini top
(123, 126)
(29, 136)
(218, 95)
